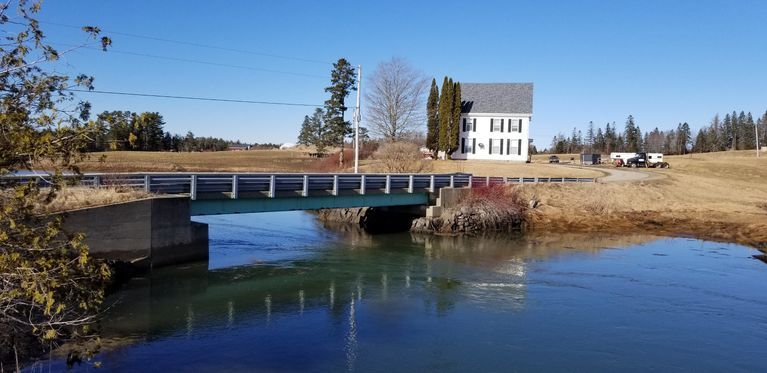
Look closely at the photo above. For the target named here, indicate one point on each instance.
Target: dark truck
(646, 161)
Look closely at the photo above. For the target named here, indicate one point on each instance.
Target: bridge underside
(251, 205)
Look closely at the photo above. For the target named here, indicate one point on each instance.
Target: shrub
(400, 157)
(499, 204)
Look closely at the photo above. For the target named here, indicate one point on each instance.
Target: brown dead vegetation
(72, 198)
(717, 196)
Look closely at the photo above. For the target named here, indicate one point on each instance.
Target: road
(619, 175)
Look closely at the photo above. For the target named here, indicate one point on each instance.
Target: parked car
(553, 159)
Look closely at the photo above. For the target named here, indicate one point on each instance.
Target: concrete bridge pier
(148, 233)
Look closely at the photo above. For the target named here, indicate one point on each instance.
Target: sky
(663, 62)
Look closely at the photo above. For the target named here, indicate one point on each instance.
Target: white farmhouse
(495, 121)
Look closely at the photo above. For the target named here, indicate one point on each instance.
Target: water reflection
(441, 271)
(334, 300)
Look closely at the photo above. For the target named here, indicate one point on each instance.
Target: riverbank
(715, 196)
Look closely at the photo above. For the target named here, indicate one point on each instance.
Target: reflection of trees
(440, 271)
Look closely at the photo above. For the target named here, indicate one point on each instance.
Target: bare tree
(396, 99)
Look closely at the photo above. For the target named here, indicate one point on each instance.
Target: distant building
(287, 145)
(238, 147)
(495, 121)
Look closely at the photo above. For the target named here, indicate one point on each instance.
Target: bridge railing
(237, 185)
(494, 180)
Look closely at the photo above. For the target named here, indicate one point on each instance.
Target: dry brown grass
(72, 198)
(234, 161)
(716, 196)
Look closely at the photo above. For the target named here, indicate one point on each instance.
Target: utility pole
(357, 123)
(756, 129)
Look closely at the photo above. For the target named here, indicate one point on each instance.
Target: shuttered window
(473, 146)
(520, 126)
(519, 145)
(474, 125)
(464, 124)
(463, 139)
(496, 147)
(496, 125)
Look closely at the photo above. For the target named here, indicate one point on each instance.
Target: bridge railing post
(387, 188)
(272, 186)
(452, 181)
(431, 184)
(305, 190)
(471, 180)
(193, 187)
(410, 183)
(335, 185)
(148, 183)
(235, 181)
(362, 184)
(487, 180)
(97, 181)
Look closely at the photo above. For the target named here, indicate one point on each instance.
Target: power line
(171, 58)
(194, 44)
(192, 98)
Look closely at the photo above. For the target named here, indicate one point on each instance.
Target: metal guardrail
(237, 185)
(495, 180)
(267, 185)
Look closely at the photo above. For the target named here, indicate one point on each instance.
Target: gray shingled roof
(497, 98)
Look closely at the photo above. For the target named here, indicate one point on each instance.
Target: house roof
(509, 98)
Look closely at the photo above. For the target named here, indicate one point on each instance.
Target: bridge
(232, 193)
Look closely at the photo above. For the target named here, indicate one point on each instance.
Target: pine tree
(599, 141)
(590, 136)
(342, 82)
(610, 138)
(631, 135)
(455, 122)
(735, 130)
(445, 113)
(306, 136)
(432, 117)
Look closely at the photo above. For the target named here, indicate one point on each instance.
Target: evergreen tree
(342, 80)
(599, 141)
(445, 114)
(631, 135)
(432, 117)
(455, 123)
(306, 136)
(735, 130)
(590, 136)
(610, 139)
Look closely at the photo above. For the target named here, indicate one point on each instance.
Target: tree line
(443, 115)
(125, 130)
(735, 132)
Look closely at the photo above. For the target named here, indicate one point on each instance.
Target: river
(281, 292)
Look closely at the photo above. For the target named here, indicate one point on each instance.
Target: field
(719, 196)
(299, 161)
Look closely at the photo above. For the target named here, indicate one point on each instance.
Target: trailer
(640, 159)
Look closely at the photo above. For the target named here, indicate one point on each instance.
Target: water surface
(283, 293)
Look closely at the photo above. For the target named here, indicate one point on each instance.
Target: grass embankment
(72, 198)
(719, 196)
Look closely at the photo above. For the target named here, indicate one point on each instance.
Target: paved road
(619, 175)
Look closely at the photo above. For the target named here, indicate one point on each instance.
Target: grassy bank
(718, 196)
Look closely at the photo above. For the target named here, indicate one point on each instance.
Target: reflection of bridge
(219, 193)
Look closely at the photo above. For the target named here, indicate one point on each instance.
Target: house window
(512, 147)
(466, 145)
(495, 146)
(513, 126)
(496, 124)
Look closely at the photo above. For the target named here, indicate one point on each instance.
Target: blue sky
(662, 61)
